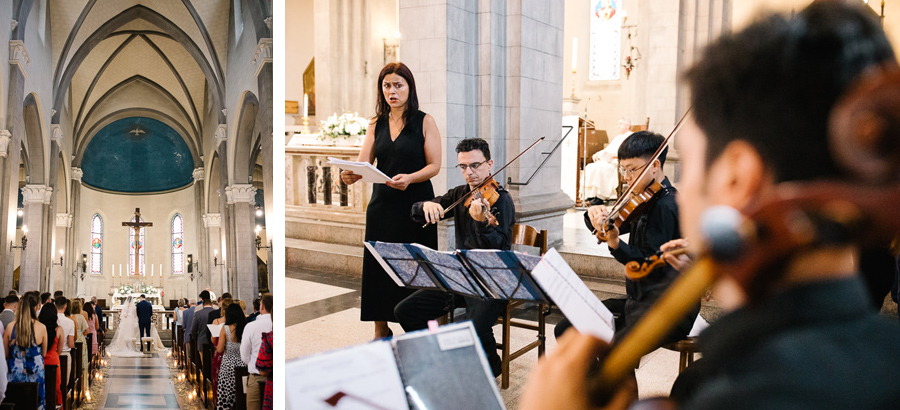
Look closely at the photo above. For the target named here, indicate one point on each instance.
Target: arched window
(238, 19)
(136, 253)
(97, 245)
(177, 245)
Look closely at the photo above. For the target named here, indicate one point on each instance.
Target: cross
(137, 224)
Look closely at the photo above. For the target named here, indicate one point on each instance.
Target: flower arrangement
(128, 289)
(125, 289)
(346, 126)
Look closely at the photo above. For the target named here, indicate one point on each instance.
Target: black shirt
(471, 234)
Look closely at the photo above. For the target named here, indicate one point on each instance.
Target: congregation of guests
(41, 329)
(244, 340)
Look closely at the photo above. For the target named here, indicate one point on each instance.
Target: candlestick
(151, 270)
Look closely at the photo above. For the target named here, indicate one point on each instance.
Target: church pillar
(200, 248)
(493, 69)
(60, 262)
(215, 257)
(264, 119)
(49, 251)
(71, 280)
(36, 197)
(242, 274)
(9, 190)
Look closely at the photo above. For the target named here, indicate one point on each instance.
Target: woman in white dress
(125, 343)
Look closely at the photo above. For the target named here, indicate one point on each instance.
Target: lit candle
(574, 53)
(305, 105)
(152, 267)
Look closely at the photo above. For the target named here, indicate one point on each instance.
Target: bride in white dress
(125, 343)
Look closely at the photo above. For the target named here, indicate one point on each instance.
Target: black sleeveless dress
(387, 217)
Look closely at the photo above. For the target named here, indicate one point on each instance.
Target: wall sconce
(24, 240)
(191, 264)
(216, 259)
(391, 48)
(81, 265)
(20, 212)
(259, 211)
(259, 240)
(634, 55)
(60, 259)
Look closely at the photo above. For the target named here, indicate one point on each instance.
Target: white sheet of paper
(573, 297)
(365, 373)
(368, 171)
(214, 330)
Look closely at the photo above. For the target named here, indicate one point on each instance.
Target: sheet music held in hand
(368, 172)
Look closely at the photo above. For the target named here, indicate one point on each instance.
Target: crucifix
(137, 225)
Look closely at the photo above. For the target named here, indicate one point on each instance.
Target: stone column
(242, 275)
(200, 251)
(212, 274)
(35, 199)
(264, 124)
(74, 251)
(58, 271)
(9, 190)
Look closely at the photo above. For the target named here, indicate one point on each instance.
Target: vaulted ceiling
(161, 59)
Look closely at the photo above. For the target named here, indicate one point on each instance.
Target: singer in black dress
(404, 144)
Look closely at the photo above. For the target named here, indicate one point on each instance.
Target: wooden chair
(687, 348)
(50, 384)
(22, 395)
(240, 402)
(528, 236)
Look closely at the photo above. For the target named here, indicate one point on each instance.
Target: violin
(635, 270)
(488, 191)
(488, 188)
(751, 246)
(633, 204)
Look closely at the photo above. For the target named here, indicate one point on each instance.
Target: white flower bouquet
(345, 126)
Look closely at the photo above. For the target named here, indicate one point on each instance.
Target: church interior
(136, 158)
(579, 72)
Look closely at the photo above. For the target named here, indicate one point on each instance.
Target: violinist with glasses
(653, 223)
(486, 223)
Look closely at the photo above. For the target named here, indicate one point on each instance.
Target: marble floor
(322, 314)
(138, 383)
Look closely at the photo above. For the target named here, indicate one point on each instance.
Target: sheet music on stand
(496, 274)
(442, 370)
(368, 171)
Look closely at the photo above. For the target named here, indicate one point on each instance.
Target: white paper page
(369, 173)
(573, 297)
(364, 374)
(214, 330)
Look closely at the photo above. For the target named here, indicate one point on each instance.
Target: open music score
(368, 171)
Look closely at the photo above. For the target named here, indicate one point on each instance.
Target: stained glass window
(177, 245)
(96, 245)
(136, 253)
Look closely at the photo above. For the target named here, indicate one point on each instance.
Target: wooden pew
(207, 353)
(78, 373)
(22, 395)
(50, 384)
(68, 390)
(89, 345)
(240, 395)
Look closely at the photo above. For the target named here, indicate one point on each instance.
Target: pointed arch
(96, 245)
(177, 245)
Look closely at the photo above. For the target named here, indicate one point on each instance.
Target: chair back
(239, 393)
(530, 236)
(50, 384)
(22, 395)
(65, 382)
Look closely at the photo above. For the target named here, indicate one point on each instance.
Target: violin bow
(463, 198)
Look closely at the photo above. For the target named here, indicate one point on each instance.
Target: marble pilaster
(243, 272)
(35, 197)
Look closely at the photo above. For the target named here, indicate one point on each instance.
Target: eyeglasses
(473, 165)
(628, 173)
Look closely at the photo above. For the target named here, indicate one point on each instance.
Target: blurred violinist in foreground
(801, 333)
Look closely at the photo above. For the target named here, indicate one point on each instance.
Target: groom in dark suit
(144, 314)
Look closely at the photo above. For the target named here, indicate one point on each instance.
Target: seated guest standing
(217, 356)
(51, 355)
(25, 340)
(472, 232)
(806, 336)
(68, 326)
(229, 346)
(264, 365)
(10, 304)
(79, 316)
(250, 342)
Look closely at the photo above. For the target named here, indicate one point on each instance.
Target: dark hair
(11, 299)
(267, 302)
(235, 316)
(412, 103)
(256, 304)
(142, 296)
(45, 297)
(49, 317)
(471, 144)
(57, 294)
(643, 144)
(204, 296)
(61, 302)
(774, 84)
(89, 308)
(225, 295)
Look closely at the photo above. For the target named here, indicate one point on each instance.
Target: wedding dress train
(128, 335)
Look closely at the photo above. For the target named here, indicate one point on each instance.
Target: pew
(77, 376)
(65, 385)
(89, 345)
(21, 395)
(207, 353)
(240, 395)
(50, 384)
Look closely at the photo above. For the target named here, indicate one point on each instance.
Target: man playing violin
(762, 99)
(648, 230)
(474, 229)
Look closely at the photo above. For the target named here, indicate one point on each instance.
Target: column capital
(36, 193)
(263, 54)
(77, 173)
(212, 220)
(18, 55)
(56, 133)
(5, 136)
(240, 193)
(221, 133)
(198, 174)
(64, 220)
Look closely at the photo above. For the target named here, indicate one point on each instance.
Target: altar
(151, 294)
